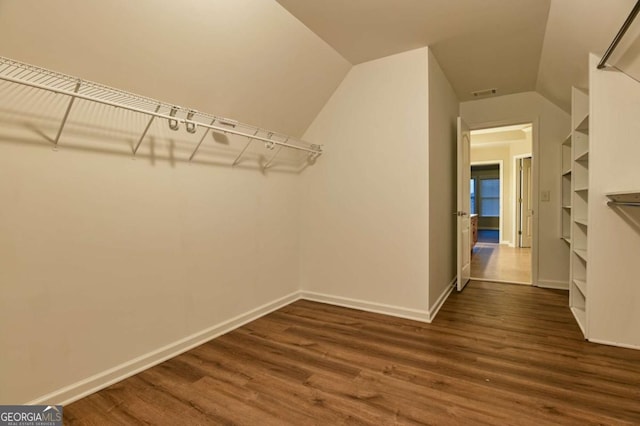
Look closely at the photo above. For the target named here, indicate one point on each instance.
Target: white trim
(500, 164)
(555, 284)
(363, 305)
(514, 207)
(433, 310)
(620, 345)
(85, 387)
(535, 187)
(506, 243)
(499, 143)
(493, 280)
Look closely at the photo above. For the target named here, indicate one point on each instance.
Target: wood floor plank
(496, 354)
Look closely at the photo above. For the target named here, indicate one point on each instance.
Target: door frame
(500, 164)
(535, 155)
(516, 179)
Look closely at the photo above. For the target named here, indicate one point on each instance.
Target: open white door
(527, 219)
(464, 201)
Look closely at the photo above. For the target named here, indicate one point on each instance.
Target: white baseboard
(363, 305)
(495, 280)
(558, 285)
(433, 311)
(620, 345)
(99, 381)
(507, 243)
(85, 387)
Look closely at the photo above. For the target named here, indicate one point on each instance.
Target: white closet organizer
(177, 117)
(566, 190)
(579, 183)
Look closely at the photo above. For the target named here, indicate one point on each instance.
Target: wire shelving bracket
(41, 78)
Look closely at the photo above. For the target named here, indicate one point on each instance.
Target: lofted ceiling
(511, 45)
(249, 60)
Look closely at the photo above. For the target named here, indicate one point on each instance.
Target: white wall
(443, 113)
(104, 259)
(364, 212)
(613, 294)
(504, 152)
(553, 127)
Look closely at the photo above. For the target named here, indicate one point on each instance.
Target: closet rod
(157, 114)
(622, 203)
(627, 198)
(618, 37)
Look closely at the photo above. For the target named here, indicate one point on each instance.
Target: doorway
(486, 199)
(502, 203)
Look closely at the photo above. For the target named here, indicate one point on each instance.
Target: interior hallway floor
(496, 354)
(502, 263)
(488, 236)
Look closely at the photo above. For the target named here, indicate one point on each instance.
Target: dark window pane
(490, 207)
(490, 188)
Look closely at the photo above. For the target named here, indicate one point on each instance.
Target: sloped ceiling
(576, 28)
(249, 60)
(479, 44)
(511, 45)
(253, 61)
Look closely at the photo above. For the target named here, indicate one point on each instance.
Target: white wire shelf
(75, 88)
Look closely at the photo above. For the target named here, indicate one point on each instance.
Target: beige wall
(553, 127)
(250, 60)
(364, 212)
(104, 259)
(443, 113)
(107, 264)
(505, 152)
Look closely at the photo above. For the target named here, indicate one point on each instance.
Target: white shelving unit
(567, 161)
(579, 201)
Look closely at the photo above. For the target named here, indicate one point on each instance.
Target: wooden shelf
(582, 286)
(566, 172)
(582, 254)
(567, 240)
(567, 140)
(567, 207)
(581, 189)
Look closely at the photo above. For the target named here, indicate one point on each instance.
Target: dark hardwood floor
(496, 354)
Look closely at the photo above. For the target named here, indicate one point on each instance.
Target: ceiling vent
(485, 92)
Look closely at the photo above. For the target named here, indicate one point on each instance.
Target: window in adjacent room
(490, 197)
(473, 196)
